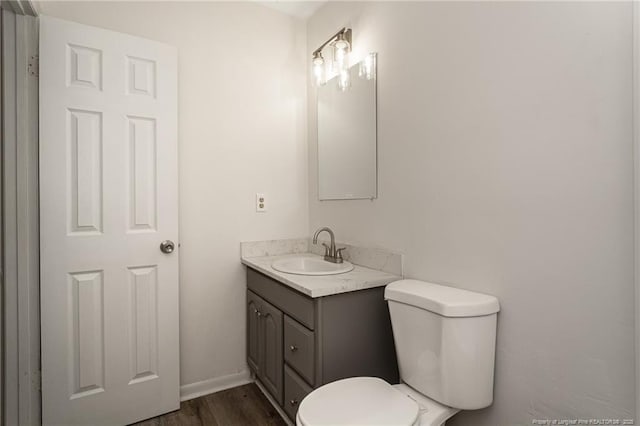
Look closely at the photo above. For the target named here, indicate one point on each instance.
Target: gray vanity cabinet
(296, 343)
(264, 343)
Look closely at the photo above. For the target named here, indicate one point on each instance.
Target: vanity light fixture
(340, 42)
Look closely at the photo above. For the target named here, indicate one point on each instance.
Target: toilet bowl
(370, 401)
(445, 345)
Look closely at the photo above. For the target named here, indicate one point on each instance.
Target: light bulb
(341, 59)
(342, 44)
(318, 69)
(344, 80)
(341, 53)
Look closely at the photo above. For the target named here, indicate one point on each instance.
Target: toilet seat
(358, 401)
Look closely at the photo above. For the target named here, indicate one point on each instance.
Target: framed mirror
(347, 135)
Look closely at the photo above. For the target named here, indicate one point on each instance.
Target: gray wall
(505, 167)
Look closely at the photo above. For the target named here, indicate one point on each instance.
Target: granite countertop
(359, 278)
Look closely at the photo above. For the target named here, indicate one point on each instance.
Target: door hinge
(34, 66)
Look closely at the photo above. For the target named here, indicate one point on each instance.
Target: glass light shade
(368, 67)
(341, 43)
(341, 58)
(344, 80)
(331, 70)
(318, 70)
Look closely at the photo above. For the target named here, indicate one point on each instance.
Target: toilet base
(432, 413)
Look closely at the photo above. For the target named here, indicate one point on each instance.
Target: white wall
(505, 167)
(242, 129)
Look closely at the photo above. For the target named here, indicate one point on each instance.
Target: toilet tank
(445, 341)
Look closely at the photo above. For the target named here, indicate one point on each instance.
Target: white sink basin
(307, 265)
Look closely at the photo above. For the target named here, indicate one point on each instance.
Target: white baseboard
(217, 384)
(275, 404)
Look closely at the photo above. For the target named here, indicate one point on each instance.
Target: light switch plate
(261, 203)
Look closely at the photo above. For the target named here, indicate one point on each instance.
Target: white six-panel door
(108, 198)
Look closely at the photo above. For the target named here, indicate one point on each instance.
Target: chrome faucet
(331, 253)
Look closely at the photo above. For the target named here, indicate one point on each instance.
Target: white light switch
(261, 203)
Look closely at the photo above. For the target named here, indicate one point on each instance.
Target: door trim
(636, 192)
(20, 393)
(21, 7)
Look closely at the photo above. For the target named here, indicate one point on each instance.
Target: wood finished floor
(244, 405)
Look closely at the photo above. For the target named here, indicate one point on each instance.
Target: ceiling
(301, 9)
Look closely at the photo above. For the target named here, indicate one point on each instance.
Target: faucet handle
(339, 257)
(327, 250)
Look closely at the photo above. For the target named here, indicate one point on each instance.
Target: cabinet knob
(258, 313)
(293, 402)
(293, 348)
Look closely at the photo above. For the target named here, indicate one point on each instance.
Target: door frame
(636, 193)
(19, 248)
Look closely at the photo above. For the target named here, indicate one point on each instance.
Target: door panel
(87, 343)
(142, 174)
(143, 282)
(85, 133)
(272, 360)
(253, 331)
(108, 125)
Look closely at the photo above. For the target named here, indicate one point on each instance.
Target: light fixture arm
(346, 32)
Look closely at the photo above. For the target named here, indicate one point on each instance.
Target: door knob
(167, 246)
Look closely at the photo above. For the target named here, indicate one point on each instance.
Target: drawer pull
(293, 348)
(293, 402)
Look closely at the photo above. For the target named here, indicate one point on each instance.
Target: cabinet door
(253, 332)
(299, 349)
(271, 343)
(295, 390)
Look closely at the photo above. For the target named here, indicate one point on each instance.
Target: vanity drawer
(299, 348)
(295, 389)
(284, 298)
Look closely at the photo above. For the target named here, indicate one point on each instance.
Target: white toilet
(445, 342)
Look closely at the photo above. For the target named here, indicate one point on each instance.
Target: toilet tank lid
(442, 300)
